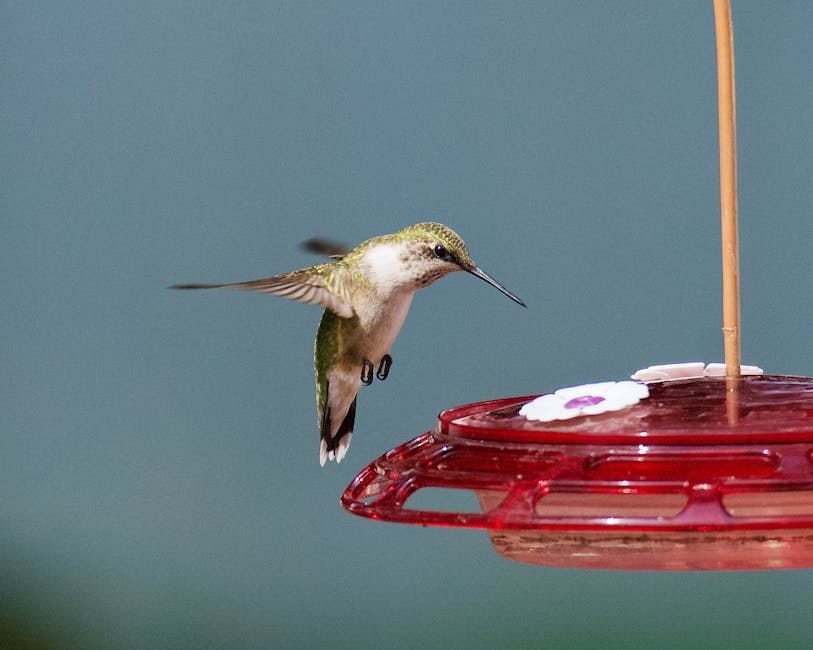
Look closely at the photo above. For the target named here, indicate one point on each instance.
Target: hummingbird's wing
(328, 247)
(327, 285)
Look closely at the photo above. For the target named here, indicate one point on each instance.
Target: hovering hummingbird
(366, 293)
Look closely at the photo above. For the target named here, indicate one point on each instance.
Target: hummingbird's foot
(384, 367)
(367, 372)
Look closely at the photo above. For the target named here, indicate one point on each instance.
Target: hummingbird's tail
(335, 447)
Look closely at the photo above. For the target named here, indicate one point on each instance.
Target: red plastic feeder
(671, 483)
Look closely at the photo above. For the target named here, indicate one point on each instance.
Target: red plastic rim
(670, 463)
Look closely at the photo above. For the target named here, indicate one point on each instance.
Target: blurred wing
(327, 285)
(327, 247)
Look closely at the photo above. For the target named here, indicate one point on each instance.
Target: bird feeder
(668, 483)
(692, 467)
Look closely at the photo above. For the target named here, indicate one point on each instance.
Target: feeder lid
(683, 412)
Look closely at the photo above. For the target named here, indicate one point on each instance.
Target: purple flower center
(583, 400)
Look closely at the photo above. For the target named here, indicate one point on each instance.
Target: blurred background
(159, 476)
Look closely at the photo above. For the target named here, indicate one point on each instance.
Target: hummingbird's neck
(387, 267)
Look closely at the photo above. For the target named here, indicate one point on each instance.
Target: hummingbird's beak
(474, 270)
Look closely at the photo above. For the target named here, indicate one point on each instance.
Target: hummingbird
(366, 293)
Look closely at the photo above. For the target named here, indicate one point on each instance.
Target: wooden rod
(728, 186)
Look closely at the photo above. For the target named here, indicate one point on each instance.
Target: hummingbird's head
(436, 250)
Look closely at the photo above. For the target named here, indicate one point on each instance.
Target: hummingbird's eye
(440, 251)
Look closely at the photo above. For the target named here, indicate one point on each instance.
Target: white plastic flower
(692, 370)
(587, 399)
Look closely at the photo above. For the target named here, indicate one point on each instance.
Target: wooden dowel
(728, 186)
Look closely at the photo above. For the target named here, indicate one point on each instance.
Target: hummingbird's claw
(384, 367)
(367, 372)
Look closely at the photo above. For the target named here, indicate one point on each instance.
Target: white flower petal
(571, 392)
(540, 403)
(611, 396)
(601, 407)
(718, 370)
(634, 389)
(668, 371)
(545, 408)
(615, 405)
(691, 370)
(648, 375)
(567, 414)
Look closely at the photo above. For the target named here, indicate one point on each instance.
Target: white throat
(385, 267)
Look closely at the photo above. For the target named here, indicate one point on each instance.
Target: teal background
(159, 483)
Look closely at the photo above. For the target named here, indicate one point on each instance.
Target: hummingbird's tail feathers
(338, 454)
(335, 447)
